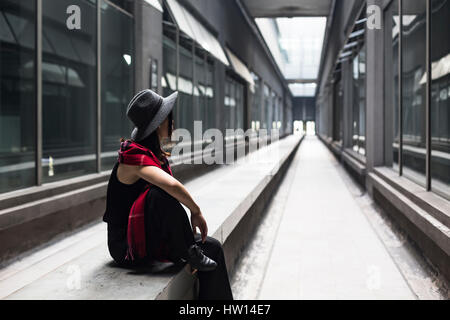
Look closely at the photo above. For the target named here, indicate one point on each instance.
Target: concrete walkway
(316, 243)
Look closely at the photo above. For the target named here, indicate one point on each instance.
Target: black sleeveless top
(120, 198)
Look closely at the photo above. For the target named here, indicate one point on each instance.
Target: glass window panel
(337, 111)
(265, 115)
(200, 113)
(440, 98)
(359, 101)
(68, 92)
(234, 104)
(392, 21)
(274, 118)
(280, 113)
(239, 106)
(414, 90)
(169, 67)
(17, 95)
(124, 4)
(209, 93)
(154, 75)
(21, 27)
(185, 103)
(256, 103)
(117, 73)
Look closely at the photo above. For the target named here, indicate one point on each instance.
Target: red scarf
(132, 153)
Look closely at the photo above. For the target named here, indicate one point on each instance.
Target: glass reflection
(185, 103)
(359, 101)
(414, 89)
(17, 94)
(69, 93)
(337, 109)
(256, 103)
(234, 104)
(440, 98)
(117, 72)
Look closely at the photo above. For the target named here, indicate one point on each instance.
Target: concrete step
(79, 267)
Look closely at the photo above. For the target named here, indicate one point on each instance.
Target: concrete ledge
(335, 148)
(358, 166)
(431, 235)
(355, 166)
(51, 209)
(227, 218)
(432, 203)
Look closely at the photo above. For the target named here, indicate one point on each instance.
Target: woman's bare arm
(175, 188)
(165, 181)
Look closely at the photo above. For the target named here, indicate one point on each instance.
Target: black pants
(167, 222)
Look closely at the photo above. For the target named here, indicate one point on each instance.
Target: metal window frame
(99, 89)
(38, 86)
(38, 93)
(400, 88)
(428, 98)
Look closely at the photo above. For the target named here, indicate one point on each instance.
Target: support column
(330, 109)
(148, 43)
(347, 115)
(374, 95)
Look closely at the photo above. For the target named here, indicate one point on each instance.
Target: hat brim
(166, 106)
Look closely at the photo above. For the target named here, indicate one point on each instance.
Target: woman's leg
(167, 222)
(214, 285)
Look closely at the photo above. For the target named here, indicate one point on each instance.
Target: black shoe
(198, 260)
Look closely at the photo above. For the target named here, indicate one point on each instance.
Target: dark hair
(152, 142)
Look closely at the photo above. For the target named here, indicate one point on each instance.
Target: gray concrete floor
(323, 238)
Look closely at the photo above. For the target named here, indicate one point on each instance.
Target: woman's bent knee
(211, 245)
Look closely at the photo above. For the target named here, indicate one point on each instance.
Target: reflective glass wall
(70, 88)
(69, 91)
(117, 79)
(256, 113)
(234, 104)
(408, 39)
(440, 97)
(169, 76)
(185, 102)
(337, 108)
(267, 108)
(275, 114)
(195, 82)
(203, 89)
(359, 102)
(414, 89)
(17, 94)
(391, 81)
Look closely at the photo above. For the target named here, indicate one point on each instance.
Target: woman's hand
(197, 220)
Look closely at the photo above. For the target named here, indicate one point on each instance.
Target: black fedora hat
(147, 110)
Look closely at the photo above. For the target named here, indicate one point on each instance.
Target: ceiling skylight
(303, 89)
(296, 45)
